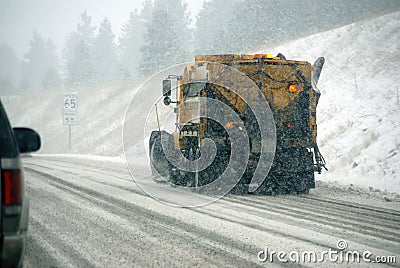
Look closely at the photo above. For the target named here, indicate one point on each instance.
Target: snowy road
(86, 213)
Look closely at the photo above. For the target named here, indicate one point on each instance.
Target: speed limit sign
(70, 104)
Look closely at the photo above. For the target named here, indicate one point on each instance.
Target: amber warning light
(263, 56)
(229, 125)
(292, 88)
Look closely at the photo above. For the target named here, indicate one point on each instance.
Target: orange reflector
(290, 125)
(292, 88)
(229, 125)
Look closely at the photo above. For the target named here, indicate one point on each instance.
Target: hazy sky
(57, 18)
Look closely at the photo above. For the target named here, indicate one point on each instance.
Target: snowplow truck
(289, 87)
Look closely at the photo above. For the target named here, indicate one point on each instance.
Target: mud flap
(160, 167)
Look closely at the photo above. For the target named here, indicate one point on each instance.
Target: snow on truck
(290, 89)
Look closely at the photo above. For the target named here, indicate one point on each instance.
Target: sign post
(70, 114)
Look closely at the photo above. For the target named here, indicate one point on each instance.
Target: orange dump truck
(239, 82)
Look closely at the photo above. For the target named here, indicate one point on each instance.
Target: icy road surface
(90, 213)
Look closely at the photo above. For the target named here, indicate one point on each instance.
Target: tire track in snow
(385, 221)
(385, 228)
(251, 202)
(341, 223)
(342, 213)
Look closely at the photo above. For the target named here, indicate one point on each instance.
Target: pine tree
(211, 26)
(51, 79)
(131, 42)
(84, 31)
(177, 11)
(9, 70)
(147, 11)
(33, 69)
(104, 54)
(77, 53)
(79, 68)
(254, 22)
(162, 48)
(40, 57)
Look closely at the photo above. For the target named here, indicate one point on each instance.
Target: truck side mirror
(167, 87)
(27, 139)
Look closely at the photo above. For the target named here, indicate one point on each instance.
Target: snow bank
(93, 158)
(101, 111)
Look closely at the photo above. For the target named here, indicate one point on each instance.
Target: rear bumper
(13, 250)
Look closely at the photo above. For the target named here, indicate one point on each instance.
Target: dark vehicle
(14, 205)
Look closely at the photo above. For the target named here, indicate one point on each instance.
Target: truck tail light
(12, 184)
(229, 125)
(292, 88)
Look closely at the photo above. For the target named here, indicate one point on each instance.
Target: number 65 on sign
(71, 102)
